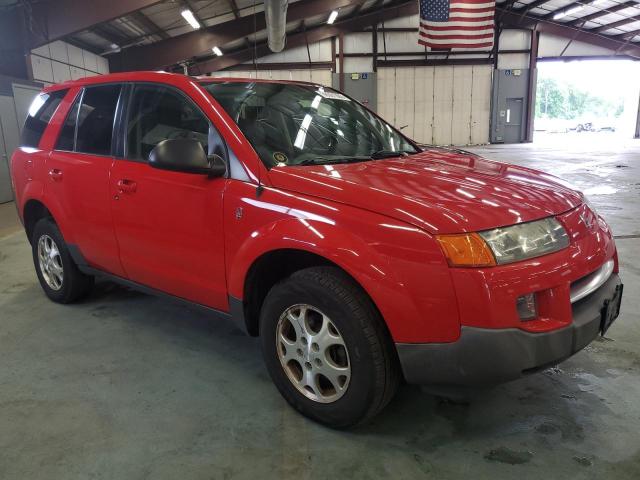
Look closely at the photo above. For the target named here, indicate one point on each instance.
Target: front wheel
(326, 348)
(59, 276)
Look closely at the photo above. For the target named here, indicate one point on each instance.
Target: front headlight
(526, 240)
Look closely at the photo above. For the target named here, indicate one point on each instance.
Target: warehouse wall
(439, 105)
(435, 104)
(60, 61)
(318, 76)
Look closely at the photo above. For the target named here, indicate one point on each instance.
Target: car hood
(439, 190)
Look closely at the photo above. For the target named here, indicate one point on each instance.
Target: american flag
(456, 23)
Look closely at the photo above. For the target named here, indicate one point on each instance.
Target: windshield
(293, 124)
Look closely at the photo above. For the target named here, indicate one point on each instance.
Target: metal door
(9, 138)
(361, 86)
(513, 120)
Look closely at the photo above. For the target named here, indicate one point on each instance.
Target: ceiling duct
(276, 16)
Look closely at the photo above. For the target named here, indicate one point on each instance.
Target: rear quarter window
(40, 113)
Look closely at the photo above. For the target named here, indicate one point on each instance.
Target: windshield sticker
(330, 94)
(280, 157)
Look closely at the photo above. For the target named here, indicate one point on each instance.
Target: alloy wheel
(50, 262)
(313, 353)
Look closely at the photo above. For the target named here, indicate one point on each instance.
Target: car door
(169, 224)
(78, 170)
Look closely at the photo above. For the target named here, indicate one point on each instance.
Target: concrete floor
(128, 386)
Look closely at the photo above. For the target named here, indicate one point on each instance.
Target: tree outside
(561, 99)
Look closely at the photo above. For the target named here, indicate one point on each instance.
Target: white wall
(59, 61)
(317, 76)
(439, 105)
(552, 46)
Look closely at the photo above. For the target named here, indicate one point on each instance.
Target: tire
(64, 285)
(334, 301)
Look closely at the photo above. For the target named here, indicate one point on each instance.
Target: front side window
(157, 113)
(293, 124)
(94, 127)
(40, 113)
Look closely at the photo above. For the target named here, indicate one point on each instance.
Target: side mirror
(187, 156)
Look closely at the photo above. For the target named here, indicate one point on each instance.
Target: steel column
(531, 87)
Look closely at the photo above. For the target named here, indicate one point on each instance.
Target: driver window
(158, 113)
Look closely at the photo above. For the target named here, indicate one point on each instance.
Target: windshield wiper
(324, 161)
(390, 154)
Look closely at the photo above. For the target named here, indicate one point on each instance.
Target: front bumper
(485, 356)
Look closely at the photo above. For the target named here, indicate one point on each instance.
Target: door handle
(127, 186)
(55, 174)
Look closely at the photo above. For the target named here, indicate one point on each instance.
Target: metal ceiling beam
(587, 36)
(531, 6)
(54, 20)
(600, 13)
(550, 15)
(234, 8)
(619, 23)
(627, 36)
(188, 45)
(356, 23)
(110, 35)
(148, 25)
(508, 4)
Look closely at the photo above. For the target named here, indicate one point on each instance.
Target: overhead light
(570, 11)
(597, 2)
(190, 17)
(114, 46)
(217, 51)
(332, 17)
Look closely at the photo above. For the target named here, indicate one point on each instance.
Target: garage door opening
(587, 100)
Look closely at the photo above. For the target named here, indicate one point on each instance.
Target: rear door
(78, 169)
(169, 224)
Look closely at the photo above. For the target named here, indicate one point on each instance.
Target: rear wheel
(326, 347)
(59, 276)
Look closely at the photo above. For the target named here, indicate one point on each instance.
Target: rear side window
(158, 113)
(95, 119)
(40, 112)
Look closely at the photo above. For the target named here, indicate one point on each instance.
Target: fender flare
(338, 246)
(34, 191)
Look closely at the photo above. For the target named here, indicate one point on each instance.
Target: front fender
(333, 243)
(399, 266)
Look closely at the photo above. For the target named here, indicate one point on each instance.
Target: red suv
(358, 257)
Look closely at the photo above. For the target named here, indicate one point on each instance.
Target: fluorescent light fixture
(564, 13)
(332, 17)
(190, 17)
(217, 51)
(597, 2)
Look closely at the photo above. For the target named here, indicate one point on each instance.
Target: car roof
(205, 79)
(161, 77)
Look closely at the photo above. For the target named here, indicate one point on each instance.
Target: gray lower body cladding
(484, 357)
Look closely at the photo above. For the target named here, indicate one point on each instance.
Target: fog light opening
(526, 306)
